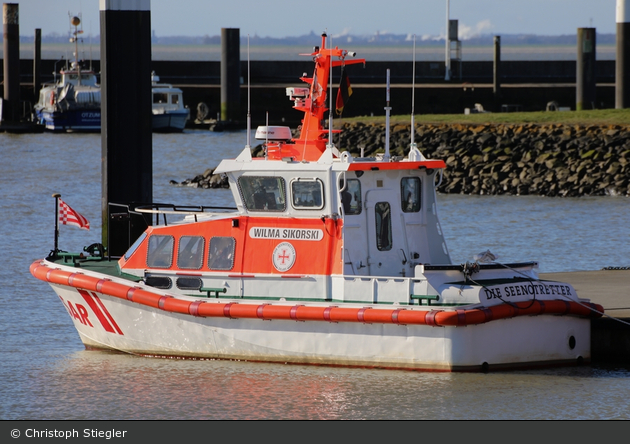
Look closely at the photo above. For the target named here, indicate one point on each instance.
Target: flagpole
(56, 196)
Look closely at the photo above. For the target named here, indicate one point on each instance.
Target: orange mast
(312, 140)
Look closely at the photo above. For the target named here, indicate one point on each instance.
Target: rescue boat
(326, 259)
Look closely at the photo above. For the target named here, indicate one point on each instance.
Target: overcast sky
(286, 18)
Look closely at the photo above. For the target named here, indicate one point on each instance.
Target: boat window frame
(378, 226)
(197, 256)
(172, 248)
(404, 204)
(300, 180)
(346, 193)
(163, 95)
(212, 259)
(254, 201)
(131, 250)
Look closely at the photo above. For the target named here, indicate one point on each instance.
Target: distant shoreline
(395, 52)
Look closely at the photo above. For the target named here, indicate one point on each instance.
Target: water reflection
(94, 384)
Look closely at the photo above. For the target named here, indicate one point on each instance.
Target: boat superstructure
(327, 258)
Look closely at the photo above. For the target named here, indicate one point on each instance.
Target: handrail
(180, 209)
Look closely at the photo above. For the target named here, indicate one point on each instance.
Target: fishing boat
(72, 103)
(326, 259)
(169, 112)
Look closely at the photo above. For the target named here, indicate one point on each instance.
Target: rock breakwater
(548, 160)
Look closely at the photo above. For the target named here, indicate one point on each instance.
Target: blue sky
(285, 18)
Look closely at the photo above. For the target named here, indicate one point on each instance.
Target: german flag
(344, 92)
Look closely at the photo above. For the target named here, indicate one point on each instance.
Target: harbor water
(45, 372)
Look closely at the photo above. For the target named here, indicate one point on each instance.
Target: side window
(262, 193)
(351, 196)
(160, 251)
(160, 98)
(221, 253)
(383, 216)
(307, 194)
(410, 194)
(174, 99)
(190, 252)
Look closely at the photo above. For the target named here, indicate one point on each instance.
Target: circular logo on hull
(284, 256)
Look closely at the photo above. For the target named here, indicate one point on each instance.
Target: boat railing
(180, 210)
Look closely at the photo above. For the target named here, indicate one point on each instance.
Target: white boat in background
(169, 112)
(72, 103)
(326, 259)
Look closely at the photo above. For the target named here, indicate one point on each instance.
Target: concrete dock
(610, 334)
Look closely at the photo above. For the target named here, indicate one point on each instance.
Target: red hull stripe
(107, 313)
(96, 308)
(435, 318)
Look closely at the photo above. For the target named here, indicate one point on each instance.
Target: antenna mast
(387, 110)
(249, 114)
(413, 94)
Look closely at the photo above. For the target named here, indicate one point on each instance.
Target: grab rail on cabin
(182, 210)
(425, 297)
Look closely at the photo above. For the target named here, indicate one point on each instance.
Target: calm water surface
(45, 373)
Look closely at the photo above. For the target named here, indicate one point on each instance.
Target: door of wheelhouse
(386, 256)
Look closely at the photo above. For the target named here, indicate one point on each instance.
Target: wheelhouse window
(190, 252)
(135, 246)
(221, 253)
(410, 194)
(160, 251)
(262, 193)
(307, 194)
(160, 98)
(383, 214)
(351, 196)
(174, 99)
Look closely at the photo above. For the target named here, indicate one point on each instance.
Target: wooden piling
(11, 69)
(586, 75)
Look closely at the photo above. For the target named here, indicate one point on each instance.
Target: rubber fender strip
(194, 308)
(226, 309)
(161, 301)
(430, 318)
(293, 312)
(461, 318)
(361, 314)
(395, 316)
(306, 313)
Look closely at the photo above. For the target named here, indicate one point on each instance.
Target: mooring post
(37, 63)
(496, 85)
(126, 119)
(622, 64)
(586, 69)
(11, 69)
(230, 74)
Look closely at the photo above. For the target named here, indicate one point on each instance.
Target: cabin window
(410, 192)
(161, 282)
(383, 214)
(174, 99)
(307, 194)
(160, 98)
(221, 253)
(190, 252)
(262, 193)
(160, 251)
(135, 246)
(351, 196)
(189, 283)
